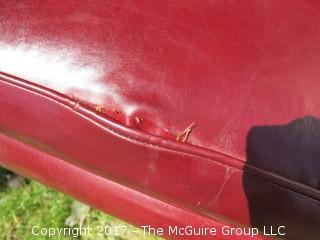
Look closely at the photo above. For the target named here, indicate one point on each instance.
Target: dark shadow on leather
(291, 151)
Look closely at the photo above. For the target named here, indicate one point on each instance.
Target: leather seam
(81, 109)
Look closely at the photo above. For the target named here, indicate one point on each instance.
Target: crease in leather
(143, 138)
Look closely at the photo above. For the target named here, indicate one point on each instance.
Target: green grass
(36, 205)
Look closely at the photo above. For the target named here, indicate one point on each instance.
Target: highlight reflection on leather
(59, 69)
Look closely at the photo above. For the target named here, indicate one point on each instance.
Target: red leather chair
(168, 113)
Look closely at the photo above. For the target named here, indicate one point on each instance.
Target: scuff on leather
(138, 120)
(100, 108)
(97, 107)
(185, 134)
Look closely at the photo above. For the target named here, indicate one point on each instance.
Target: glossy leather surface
(226, 66)
(83, 152)
(153, 69)
(104, 194)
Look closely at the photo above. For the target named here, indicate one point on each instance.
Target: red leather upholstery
(124, 78)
